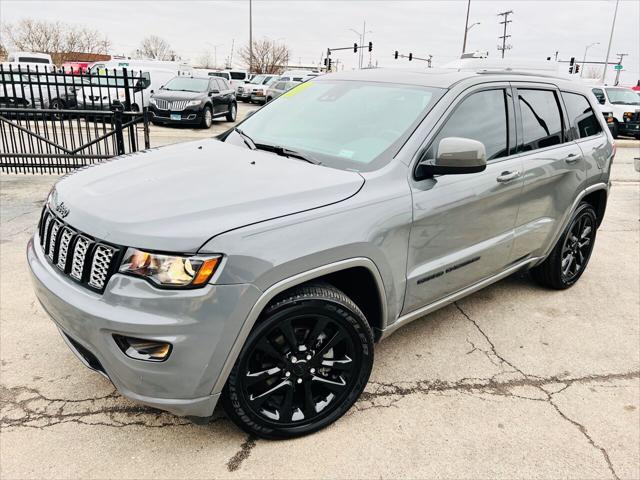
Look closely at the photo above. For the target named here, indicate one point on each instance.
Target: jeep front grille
(84, 259)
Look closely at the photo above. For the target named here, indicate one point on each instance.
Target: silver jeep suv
(261, 267)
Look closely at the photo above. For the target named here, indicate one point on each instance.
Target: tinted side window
(541, 119)
(482, 116)
(599, 96)
(583, 120)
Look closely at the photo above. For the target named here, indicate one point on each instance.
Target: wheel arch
(345, 275)
(598, 200)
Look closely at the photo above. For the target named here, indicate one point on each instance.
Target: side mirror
(213, 92)
(455, 156)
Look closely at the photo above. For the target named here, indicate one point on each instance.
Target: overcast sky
(539, 28)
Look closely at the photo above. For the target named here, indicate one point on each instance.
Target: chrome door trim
(285, 284)
(411, 316)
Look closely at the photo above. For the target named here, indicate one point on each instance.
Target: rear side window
(599, 95)
(238, 75)
(541, 119)
(482, 116)
(583, 120)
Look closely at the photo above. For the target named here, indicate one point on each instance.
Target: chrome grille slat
(65, 240)
(79, 254)
(100, 266)
(53, 238)
(178, 105)
(82, 258)
(162, 104)
(45, 233)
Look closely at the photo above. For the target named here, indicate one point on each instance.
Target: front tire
(569, 258)
(615, 130)
(303, 366)
(207, 117)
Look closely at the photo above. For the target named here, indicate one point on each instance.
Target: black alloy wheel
(570, 256)
(303, 366)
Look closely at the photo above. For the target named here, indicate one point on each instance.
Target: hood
(175, 198)
(176, 95)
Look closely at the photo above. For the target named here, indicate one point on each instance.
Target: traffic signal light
(355, 48)
(577, 68)
(370, 46)
(329, 65)
(571, 62)
(395, 55)
(410, 56)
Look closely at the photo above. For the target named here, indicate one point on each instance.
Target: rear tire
(570, 256)
(232, 113)
(303, 366)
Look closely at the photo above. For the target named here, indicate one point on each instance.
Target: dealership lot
(512, 381)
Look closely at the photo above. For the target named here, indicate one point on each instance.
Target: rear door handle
(572, 158)
(508, 176)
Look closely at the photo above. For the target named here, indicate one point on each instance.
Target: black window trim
(596, 113)
(566, 133)
(512, 129)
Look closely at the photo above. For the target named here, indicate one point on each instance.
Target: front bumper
(629, 128)
(190, 115)
(201, 324)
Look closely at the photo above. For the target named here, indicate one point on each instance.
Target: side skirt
(421, 312)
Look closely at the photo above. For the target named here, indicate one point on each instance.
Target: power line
(504, 36)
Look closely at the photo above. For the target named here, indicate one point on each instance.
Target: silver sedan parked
(278, 88)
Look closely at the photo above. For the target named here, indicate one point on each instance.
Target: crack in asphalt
(539, 383)
(241, 455)
(27, 407)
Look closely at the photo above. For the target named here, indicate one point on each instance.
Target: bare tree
(55, 38)
(206, 61)
(3, 53)
(156, 48)
(593, 72)
(268, 56)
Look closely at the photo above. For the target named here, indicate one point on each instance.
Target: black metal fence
(53, 121)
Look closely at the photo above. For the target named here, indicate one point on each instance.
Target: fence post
(117, 109)
(145, 122)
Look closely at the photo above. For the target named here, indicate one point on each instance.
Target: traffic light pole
(356, 48)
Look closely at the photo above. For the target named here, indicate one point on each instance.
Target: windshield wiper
(246, 138)
(282, 151)
(286, 152)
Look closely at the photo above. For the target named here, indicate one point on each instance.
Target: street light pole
(466, 28)
(606, 60)
(584, 60)
(361, 37)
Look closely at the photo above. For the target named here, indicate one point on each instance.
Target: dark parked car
(192, 100)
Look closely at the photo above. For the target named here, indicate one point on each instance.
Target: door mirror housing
(455, 155)
(213, 92)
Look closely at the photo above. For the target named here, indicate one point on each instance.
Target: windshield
(623, 96)
(344, 124)
(187, 84)
(257, 79)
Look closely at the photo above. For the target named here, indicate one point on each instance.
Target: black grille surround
(80, 257)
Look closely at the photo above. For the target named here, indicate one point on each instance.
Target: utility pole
(466, 27)
(361, 36)
(556, 56)
(233, 42)
(620, 57)
(250, 39)
(504, 36)
(606, 60)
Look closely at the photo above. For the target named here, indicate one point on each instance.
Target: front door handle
(572, 158)
(508, 176)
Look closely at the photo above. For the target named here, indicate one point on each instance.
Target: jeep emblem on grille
(62, 210)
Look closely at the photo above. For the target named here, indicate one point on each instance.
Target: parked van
(42, 61)
(297, 75)
(234, 77)
(108, 81)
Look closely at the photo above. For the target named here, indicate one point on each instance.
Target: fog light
(140, 349)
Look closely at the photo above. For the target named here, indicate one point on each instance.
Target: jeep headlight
(193, 103)
(167, 270)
